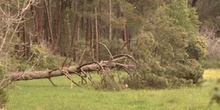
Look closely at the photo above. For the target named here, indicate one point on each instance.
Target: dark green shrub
(146, 80)
(115, 47)
(108, 82)
(41, 58)
(210, 63)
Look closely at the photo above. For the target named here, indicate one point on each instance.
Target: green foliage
(210, 63)
(42, 58)
(160, 49)
(114, 46)
(197, 48)
(184, 16)
(3, 97)
(146, 80)
(108, 82)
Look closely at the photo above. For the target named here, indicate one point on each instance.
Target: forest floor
(41, 95)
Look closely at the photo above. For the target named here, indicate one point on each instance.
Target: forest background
(172, 41)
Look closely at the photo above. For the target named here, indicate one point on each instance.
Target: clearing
(41, 95)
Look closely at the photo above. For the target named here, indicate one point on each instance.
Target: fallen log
(80, 70)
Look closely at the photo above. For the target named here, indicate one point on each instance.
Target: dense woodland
(169, 39)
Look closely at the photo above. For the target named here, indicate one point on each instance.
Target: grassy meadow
(41, 95)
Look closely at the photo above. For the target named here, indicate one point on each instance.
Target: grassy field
(40, 95)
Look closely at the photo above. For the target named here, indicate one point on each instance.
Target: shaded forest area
(169, 39)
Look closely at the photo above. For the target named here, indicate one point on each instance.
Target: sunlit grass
(212, 74)
(41, 95)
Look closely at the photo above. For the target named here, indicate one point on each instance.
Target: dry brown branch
(110, 54)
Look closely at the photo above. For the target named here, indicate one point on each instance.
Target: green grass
(41, 95)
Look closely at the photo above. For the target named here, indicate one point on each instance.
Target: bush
(3, 97)
(41, 58)
(210, 63)
(146, 80)
(109, 82)
(115, 47)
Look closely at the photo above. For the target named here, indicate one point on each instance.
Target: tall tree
(96, 35)
(59, 9)
(49, 19)
(110, 18)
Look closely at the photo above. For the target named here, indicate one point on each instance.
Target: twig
(68, 77)
(122, 56)
(71, 60)
(2, 85)
(81, 57)
(64, 62)
(52, 82)
(110, 54)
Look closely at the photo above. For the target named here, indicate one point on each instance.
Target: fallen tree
(80, 70)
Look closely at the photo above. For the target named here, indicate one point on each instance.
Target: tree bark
(110, 18)
(49, 20)
(96, 36)
(88, 31)
(57, 25)
(76, 31)
(78, 70)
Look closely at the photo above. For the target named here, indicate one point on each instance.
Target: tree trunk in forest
(125, 37)
(35, 24)
(96, 37)
(49, 20)
(57, 25)
(76, 31)
(88, 31)
(110, 18)
(37, 13)
(25, 40)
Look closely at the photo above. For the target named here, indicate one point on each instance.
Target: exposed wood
(79, 70)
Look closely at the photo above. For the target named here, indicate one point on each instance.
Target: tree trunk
(57, 25)
(110, 18)
(88, 31)
(25, 40)
(78, 70)
(96, 37)
(125, 37)
(76, 31)
(49, 20)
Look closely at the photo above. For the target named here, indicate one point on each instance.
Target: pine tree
(164, 40)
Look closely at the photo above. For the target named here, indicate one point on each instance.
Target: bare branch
(110, 54)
